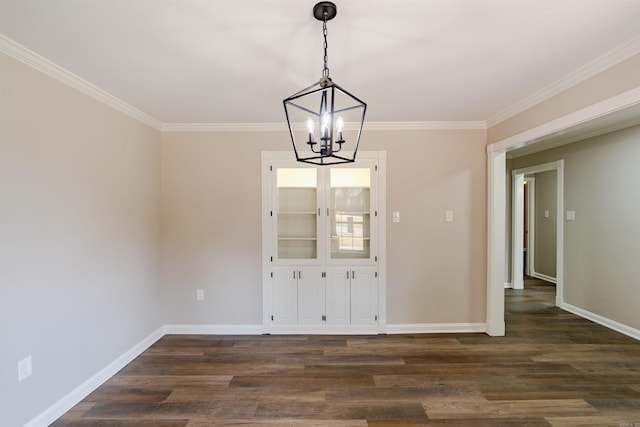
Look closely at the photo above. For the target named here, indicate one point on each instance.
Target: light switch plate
(448, 216)
(571, 215)
(396, 216)
(24, 368)
(546, 213)
(200, 294)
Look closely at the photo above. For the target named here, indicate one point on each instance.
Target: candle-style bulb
(310, 129)
(325, 126)
(340, 124)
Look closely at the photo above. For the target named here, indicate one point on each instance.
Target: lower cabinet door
(284, 296)
(342, 296)
(311, 296)
(364, 296)
(338, 296)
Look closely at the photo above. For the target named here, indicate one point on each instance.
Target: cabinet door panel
(364, 296)
(296, 213)
(338, 297)
(349, 200)
(284, 296)
(311, 296)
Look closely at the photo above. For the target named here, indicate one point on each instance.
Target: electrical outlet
(200, 294)
(24, 368)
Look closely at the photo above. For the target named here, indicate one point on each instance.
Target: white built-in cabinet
(322, 266)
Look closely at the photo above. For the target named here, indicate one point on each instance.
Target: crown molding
(442, 125)
(282, 127)
(612, 105)
(32, 59)
(224, 127)
(598, 65)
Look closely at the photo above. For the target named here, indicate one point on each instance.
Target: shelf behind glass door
(297, 222)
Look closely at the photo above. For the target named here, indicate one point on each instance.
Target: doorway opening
(518, 215)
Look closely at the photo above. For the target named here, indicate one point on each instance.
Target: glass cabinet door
(297, 213)
(349, 201)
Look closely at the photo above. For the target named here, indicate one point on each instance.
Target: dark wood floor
(551, 368)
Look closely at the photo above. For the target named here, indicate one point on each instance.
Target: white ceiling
(209, 61)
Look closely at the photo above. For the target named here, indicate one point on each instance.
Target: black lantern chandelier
(333, 116)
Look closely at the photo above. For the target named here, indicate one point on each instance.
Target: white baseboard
(382, 327)
(436, 328)
(544, 277)
(324, 329)
(83, 390)
(495, 329)
(213, 329)
(508, 285)
(611, 324)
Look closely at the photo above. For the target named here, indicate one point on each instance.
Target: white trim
(598, 65)
(443, 125)
(59, 408)
(213, 329)
(544, 277)
(382, 241)
(611, 324)
(544, 167)
(508, 285)
(224, 127)
(32, 59)
(282, 127)
(517, 229)
(496, 241)
(530, 237)
(324, 330)
(436, 328)
(614, 104)
(560, 230)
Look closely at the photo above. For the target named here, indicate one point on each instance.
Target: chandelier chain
(325, 70)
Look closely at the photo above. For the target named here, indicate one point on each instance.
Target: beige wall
(79, 237)
(211, 225)
(601, 245)
(614, 81)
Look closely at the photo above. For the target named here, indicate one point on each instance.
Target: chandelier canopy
(332, 117)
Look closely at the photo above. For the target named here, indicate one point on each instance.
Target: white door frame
(529, 238)
(517, 216)
(497, 186)
(517, 230)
